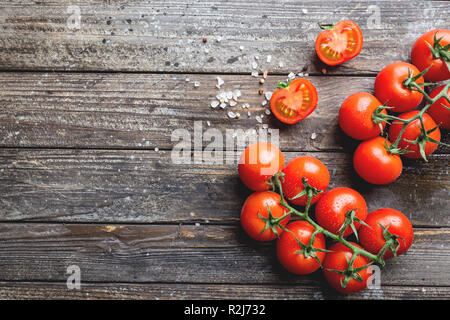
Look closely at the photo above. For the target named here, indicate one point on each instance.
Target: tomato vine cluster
(339, 213)
(342, 212)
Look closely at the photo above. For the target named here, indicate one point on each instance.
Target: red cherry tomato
(422, 56)
(412, 132)
(313, 170)
(437, 111)
(356, 116)
(341, 42)
(258, 205)
(375, 164)
(294, 102)
(258, 163)
(338, 260)
(390, 90)
(372, 238)
(289, 252)
(333, 206)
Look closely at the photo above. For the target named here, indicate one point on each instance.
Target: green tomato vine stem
(339, 238)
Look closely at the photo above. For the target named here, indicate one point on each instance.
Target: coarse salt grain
(313, 135)
(291, 76)
(233, 103)
(208, 123)
(268, 95)
(219, 82)
(231, 114)
(196, 84)
(236, 94)
(255, 74)
(264, 102)
(267, 111)
(254, 65)
(269, 58)
(223, 105)
(214, 104)
(258, 119)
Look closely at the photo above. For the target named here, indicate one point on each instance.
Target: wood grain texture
(145, 186)
(180, 291)
(180, 254)
(142, 111)
(167, 36)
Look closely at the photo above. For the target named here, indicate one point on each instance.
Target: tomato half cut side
(339, 43)
(294, 102)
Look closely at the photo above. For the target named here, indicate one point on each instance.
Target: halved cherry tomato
(312, 170)
(258, 163)
(438, 110)
(375, 164)
(339, 43)
(290, 253)
(433, 49)
(356, 116)
(413, 132)
(373, 237)
(257, 207)
(391, 91)
(294, 101)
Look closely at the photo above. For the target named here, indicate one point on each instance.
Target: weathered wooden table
(91, 92)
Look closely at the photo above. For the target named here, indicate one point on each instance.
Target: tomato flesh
(339, 44)
(295, 102)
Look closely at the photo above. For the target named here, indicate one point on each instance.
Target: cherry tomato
(258, 163)
(412, 132)
(333, 206)
(375, 164)
(258, 205)
(290, 254)
(310, 168)
(356, 116)
(339, 43)
(338, 260)
(372, 238)
(294, 101)
(437, 111)
(390, 90)
(422, 56)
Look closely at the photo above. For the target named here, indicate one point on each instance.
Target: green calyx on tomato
(350, 219)
(272, 222)
(440, 52)
(351, 272)
(392, 242)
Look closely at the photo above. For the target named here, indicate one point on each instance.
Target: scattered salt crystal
(305, 11)
(156, 149)
(229, 95)
(281, 64)
(265, 126)
(258, 118)
(291, 76)
(208, 123)
(268, 95)
(313, 135)
(236, 94)
(231, 114)
(219, 82)
(223, 105)
(254, 65)
(269, 58)
(300, 74)
(267, 111)
(241, 48)
(197, 224)
(214, 104)
(254, 74)
(245, 106)
(306, 74)
(196, 84)
(206, 50)
(233, 103)
(249, 113)
(219, 38)
(187, 79)
(264, 102)
(256, 57)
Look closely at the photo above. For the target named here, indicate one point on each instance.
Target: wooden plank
(142, 111)
(167, 36)
(158, 291)
(146, 186)
(160, 254)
